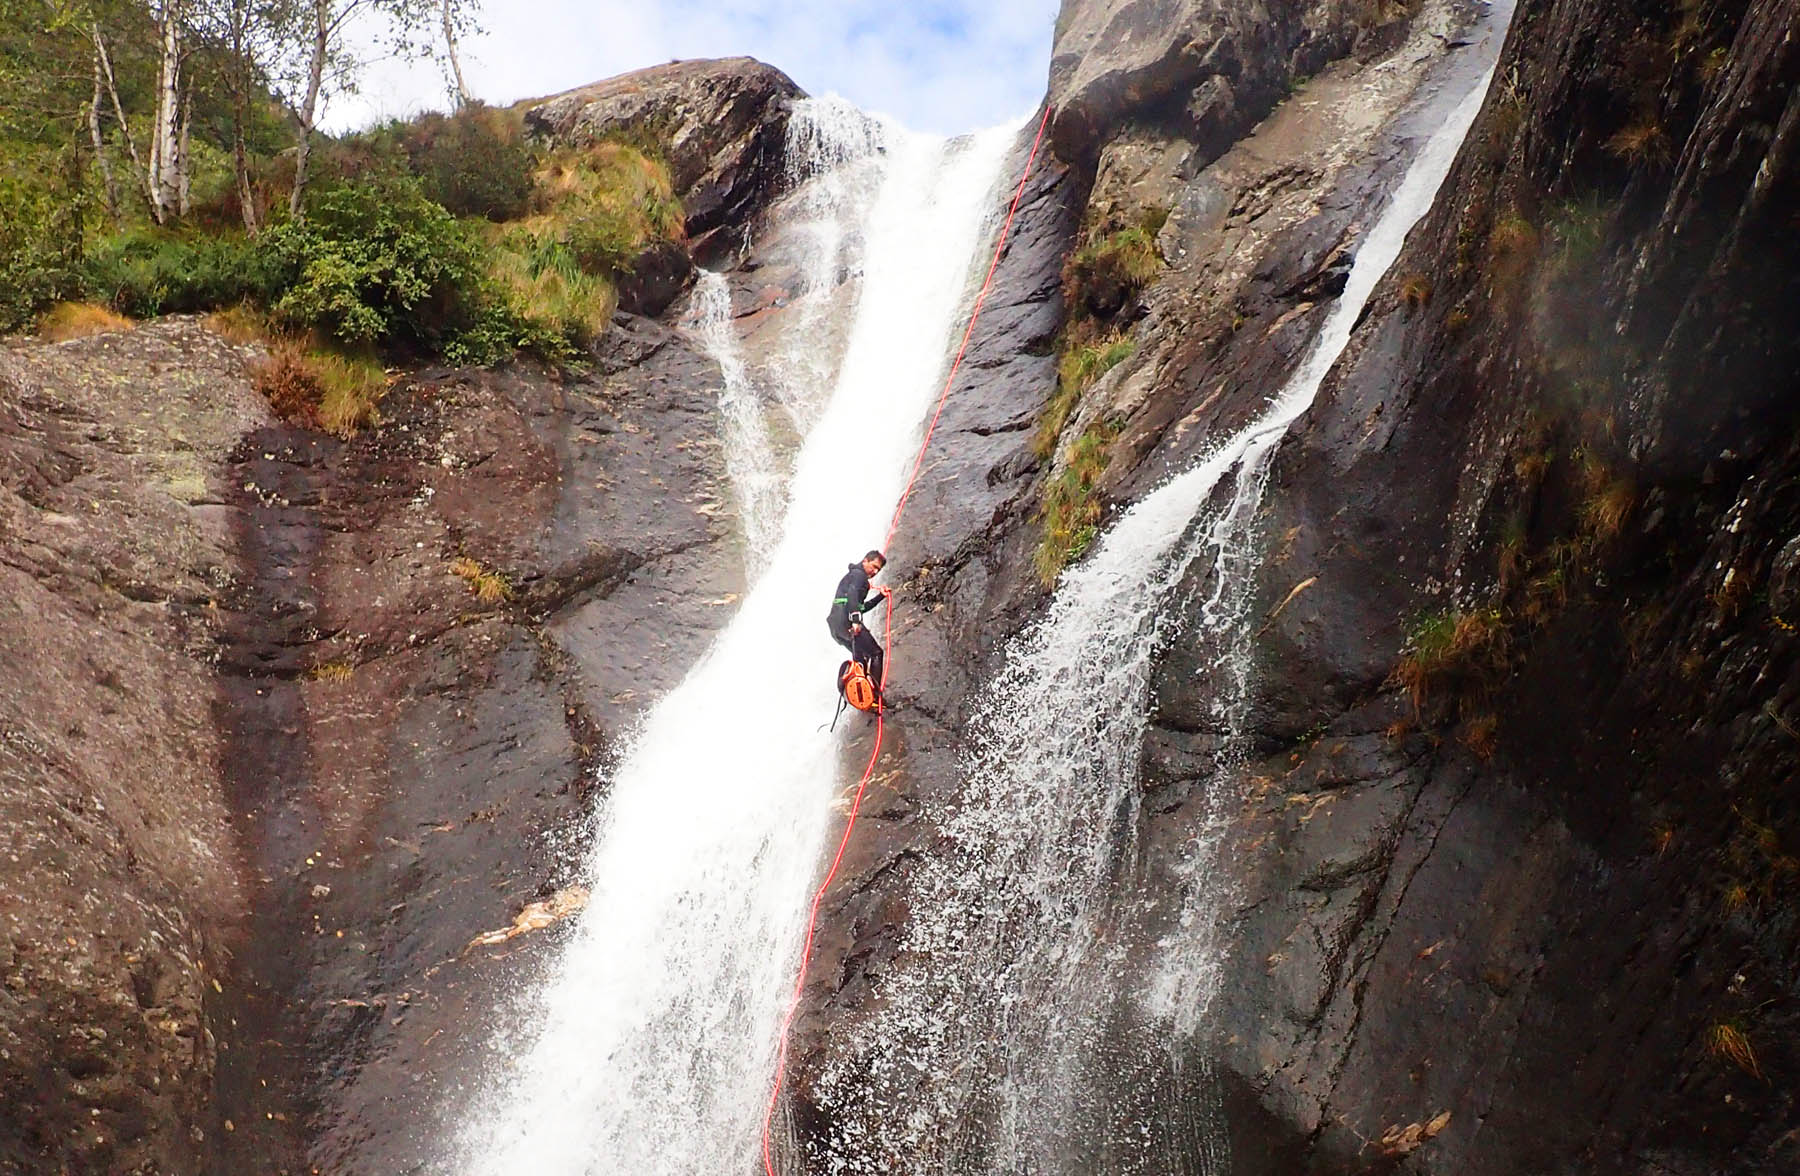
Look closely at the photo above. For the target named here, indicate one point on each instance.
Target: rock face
(286, 763)
(720, 124)
(119, 879)
(1519, 900)
(1202, 70)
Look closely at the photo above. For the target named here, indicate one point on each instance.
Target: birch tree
(329, 65)
(168, 135)
(458, 17)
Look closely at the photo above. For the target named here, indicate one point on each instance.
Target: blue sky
(937, 65)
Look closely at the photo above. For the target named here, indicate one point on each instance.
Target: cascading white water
(1017, 1046)
(656, 1032)
(750, 460)
(834, 168)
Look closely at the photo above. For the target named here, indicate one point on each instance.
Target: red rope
(812, 920)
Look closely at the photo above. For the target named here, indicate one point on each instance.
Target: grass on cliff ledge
(1071, 510)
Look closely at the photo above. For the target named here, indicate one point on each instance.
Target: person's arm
(881, 594)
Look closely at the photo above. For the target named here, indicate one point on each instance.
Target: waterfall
(1033, 1036)
(649, 1050)
(834, 168)
(750, 460)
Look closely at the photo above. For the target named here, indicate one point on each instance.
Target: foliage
(316, 386)
(1076, 370)
(378, 264)
(474, 162)
(78, 320)
(40, 250)
(151, 271)
(547, 289)
(1071, 510)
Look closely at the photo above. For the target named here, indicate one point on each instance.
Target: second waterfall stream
(652, 1044)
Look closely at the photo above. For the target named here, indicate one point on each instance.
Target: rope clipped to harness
(862, 787)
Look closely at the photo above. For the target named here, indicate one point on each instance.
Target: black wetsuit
(853, 599)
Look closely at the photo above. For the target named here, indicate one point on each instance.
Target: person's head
(873, 563)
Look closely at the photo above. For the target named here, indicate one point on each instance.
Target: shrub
(77, 320)
(474, 162)
(40, 250)
(151, 272)
(379, 263)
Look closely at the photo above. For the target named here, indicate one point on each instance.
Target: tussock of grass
(1640, 143)
(241, 324)
(1080, 365)
(1071, 510)
(313, 386)
(543, 280)
(1729, 1043)
(1415, 290)
(489, 587)
(332, 672)
(1448, 648)
(1512, 237)
(78, 320)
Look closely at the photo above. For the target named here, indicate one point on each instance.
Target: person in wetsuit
(845, 619)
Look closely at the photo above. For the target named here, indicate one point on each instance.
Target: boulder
(720, 123)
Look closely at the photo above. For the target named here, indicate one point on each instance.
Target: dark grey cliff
(1512, 863)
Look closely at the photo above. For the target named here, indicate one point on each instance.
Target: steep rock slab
(119, 881)
(1536, 895)
(720, 124)
(1201, 70)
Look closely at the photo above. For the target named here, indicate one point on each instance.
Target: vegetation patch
(78, 320)
(1079, 366)
(1071, 511)
(322, 388)
(1452, 654)
(489, 586)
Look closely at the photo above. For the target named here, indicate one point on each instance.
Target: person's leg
(868, 651)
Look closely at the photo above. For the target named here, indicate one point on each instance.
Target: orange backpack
(857, 687)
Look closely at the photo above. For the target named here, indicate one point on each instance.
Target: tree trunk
(165, 146)
(238, 78)
(184, 172)
(463, 97)
(112, 88)
(106, 171)
(309, 106)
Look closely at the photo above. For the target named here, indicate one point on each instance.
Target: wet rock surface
(1526, 916)
(263, 961)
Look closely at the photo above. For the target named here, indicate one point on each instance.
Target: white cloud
(937, 65)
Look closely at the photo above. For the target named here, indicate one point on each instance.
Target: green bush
(154, 271)
(378, 263)
(41, 232)
(475, 162)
